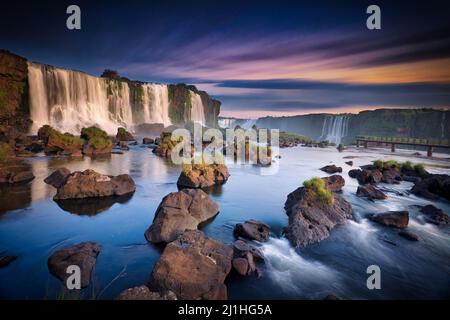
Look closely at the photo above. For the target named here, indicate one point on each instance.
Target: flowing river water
(32, 226)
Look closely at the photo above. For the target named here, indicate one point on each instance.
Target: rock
(435, 215)
(60, 143)
(350, 163)
(391, 176)
(58, 178)
(311, 219)
(35, 147)
(241, 266)
(335, 183)
(369, 191)
(124, 135)
(83, 255)
(331, 169)
(148, 141)
(396, 219)
(203, 176)
(97, 141)
(90, 184)
(15, 174)
(144, 293)
(6, 260)
(433, 187)
(411, 179)
(152, 129)
(366, 176)
(193, 267)
(241, 248)
(180, 211)
(252, 230)
(408, 235)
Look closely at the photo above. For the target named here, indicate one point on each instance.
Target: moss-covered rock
(60, 143)
(97, 141)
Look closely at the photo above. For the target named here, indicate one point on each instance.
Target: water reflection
(91, 206)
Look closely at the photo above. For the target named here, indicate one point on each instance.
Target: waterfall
(70, 100)
(155, 103)
(248, 124)
(197, 109)
(226, 123)
(335, 128)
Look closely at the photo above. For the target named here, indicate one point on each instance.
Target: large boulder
(144, 293)
(83, 255)
(193, 267)
(370, 192)
(178, 212)
(252, 230)
(60, 143)
(124, 135)
(97, 141)
(366, 176)
(331, 169)
(435, 215)
(396, 219)
(391, 176)
(58, 178)
(335, 183)
(311, 218)
(203, 176)
(433, 187)
(91, 184)
(245, 258)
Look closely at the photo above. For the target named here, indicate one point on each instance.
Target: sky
(260, 58)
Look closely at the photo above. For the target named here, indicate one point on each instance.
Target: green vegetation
(319, 187)
(5, 151)
(293, 136)
(100, 143)
(401, 166)
(122, 131)
(91, 132)
(60, 140)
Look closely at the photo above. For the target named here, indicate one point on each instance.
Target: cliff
(14, 108)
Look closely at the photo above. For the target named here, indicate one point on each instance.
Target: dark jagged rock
(370, 192)
(366, 176)
(408, 235)
(396, 219)
(310, 219)
(144, 293)
(11, 174)
(203, 176)
(435, 215)
(241, 248)
(124, 135)
(148, 141)
(252, 230)
(193, 267)
(178, 212)
(58, 178)
(331, 169)
(245, 258)
(391, 176)
(350, 163)
(335, 183)
(90, 184)
(433, 187)
(6, 260)
(83, 255)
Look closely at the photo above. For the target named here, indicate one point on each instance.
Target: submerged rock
(83, 255)
(90, 184)
(331, 169)
(178, 212)
(350, 163)
(435, 215)
(193, 267)
(58, 178)
(203, 176)
(252, 230)
(370, 192)
(408, 235)
(310, 218)
(396, 219)
(147, 140)
(144, 293)
(6, 260)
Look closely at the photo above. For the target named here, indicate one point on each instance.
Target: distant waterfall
(248, 123)
(197, 108)
(226, 123)
(69, 100)
(334, 128)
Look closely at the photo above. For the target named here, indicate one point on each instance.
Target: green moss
(93, 132)
(420, 168)
(121, 131)
(58, 139)
(100, 143)
(5, 151)
(407, 165)
(319, 187)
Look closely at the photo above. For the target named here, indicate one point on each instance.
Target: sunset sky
(258, 58)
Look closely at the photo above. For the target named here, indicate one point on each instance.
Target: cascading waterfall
(335, 128)
(197, 108)
(248, 124)
(70, 100)
(226, 123)
(155, 105)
